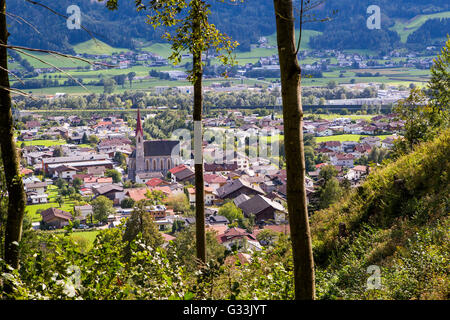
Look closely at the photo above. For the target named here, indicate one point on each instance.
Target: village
(103, 157)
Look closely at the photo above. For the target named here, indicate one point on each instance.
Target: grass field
(45, 143)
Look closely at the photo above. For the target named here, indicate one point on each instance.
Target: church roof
(156, 148)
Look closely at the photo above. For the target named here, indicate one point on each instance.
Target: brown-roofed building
(263, 209)
(182, 174)
(56, 218)
(111, 191)
(237, 187)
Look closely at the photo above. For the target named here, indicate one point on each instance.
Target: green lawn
(45, 143)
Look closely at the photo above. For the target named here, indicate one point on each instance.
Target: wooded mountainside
(244, 22)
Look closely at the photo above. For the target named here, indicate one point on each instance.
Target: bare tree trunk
(198, 154)
(294, 149)
(14, 184)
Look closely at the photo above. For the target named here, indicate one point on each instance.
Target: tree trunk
(294, 150)
(198, 154)
(14, 184)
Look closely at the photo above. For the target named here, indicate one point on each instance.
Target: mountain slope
(397, 220)
(244, 22)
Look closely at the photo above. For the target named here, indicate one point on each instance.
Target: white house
(344, 160)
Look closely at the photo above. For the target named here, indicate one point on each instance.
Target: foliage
(398, 220)
(141, 222)
(426, 112)
(117, 177)
(179, 203)
(102, 207)
(231, 212)
(183, 247)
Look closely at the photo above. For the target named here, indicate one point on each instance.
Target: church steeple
(140, 156)
(139, 124)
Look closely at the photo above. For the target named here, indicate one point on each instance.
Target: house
(83, 211)
(97, 181)
(32, 124)
(111, 191)
(56, 218)
(361, 149)
(191, 195)
(389, 142)
(237, 238)
(335, 146)
(357, 172)
(372, 141)
(237, 187)
(343, 159)
(182, 173)
(323, 132)
(263, 209)
(26, 172)
(220, 168)
(98, 171)
(155, 182)
(214, 181)
(277, 197)
(217, 220)
(65, 172)
(143, 177)
(36, 187)
(34, 198)
(209, 196)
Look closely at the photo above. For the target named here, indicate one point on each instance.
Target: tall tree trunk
(294, 150)
(14, 184)
(198, 150)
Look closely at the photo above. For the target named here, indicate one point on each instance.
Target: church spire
(138, 124)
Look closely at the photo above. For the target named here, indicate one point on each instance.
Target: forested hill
(245, 22)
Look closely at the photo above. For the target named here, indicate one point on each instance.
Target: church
(152, 158)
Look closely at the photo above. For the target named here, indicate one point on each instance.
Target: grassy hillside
(96, 47)
(405, 28)
(398, 220)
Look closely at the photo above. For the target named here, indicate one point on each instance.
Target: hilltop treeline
(183, 101)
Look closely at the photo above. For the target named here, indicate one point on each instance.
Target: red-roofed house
(238, 238)
(155, 182)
